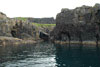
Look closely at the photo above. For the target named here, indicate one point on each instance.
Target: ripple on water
(48, 55)
(32, 62)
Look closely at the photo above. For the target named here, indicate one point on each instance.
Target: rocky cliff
(79, 24)
(5, 25)
(17, 28)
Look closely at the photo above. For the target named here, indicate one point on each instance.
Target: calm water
(49, 55)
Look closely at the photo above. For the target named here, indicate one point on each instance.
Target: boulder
(44, 36)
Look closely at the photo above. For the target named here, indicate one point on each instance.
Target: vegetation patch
(43, 25)
(21, 18)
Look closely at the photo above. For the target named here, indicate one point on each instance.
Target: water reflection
(14, 52)
(30, 55)
(49, 55)
(77, 56)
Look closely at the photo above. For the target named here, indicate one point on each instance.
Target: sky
(40, 8)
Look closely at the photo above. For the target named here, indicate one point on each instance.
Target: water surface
(49, 55)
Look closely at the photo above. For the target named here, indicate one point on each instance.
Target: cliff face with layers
(79, 24)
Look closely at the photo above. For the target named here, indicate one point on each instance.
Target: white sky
(39, 8)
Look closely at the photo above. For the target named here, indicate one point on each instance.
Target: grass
(21, 18)
(36, 24)
(43, 25)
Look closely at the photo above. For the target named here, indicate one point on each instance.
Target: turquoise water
(49, 55)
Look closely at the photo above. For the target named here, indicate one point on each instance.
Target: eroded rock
(79, 24)
(17, 28)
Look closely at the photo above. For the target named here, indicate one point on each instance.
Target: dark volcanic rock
(81, 23)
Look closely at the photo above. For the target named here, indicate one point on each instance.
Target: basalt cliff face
(79, 24)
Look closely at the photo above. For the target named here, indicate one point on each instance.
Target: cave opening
(13, 33)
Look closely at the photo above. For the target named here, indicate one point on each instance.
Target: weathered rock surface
(24, 30)
(79, 24)
(18, 29)
(2, 16)
(5, 25)
(14, 41)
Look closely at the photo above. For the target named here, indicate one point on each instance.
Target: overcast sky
(39, 8)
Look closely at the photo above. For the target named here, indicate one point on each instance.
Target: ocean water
(49, 55)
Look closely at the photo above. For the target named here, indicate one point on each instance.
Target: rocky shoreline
(79, 25)
(16, 31)
(16, 41)
(76, 42)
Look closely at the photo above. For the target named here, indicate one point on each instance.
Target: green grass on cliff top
(21, 18)
(43, 25)
(36, 24)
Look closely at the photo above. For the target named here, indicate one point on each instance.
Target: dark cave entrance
(13, 33)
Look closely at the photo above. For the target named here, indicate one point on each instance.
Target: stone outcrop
(5, 25)
(3, 16)
(16, 28)
(79, 24)
(24, 30)
(14, 41)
